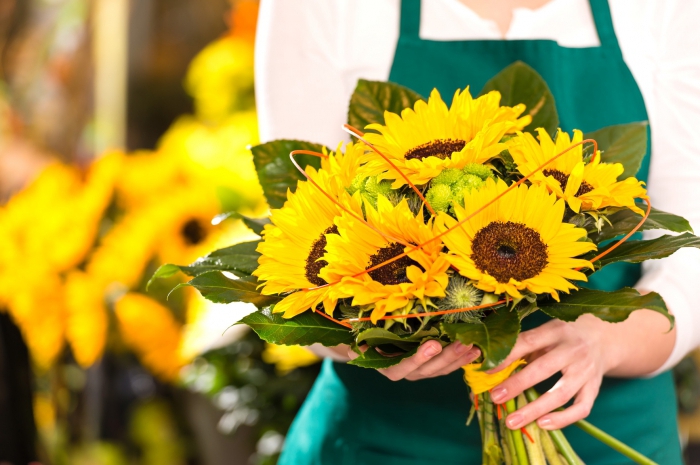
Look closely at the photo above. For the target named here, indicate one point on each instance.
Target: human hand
(579, 350)
(429, 361)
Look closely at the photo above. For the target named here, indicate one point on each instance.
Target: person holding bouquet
(606, 63)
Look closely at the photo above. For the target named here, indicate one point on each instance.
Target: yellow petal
(480, 381)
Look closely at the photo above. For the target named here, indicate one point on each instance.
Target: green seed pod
(448, 177)
(477, 169)
(439, 197)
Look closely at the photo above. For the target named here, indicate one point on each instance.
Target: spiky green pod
(460, 293)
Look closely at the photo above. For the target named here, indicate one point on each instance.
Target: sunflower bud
(439, 196)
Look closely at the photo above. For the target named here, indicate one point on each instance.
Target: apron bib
(357, 416)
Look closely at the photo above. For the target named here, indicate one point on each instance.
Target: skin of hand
(583, 351)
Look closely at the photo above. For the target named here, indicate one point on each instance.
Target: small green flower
(448, 177)
(460, 293)
(439, 196)
(375, 188)
(358, 184)
(467, 183)
(477, 169)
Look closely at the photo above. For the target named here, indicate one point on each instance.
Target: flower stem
(558, 437)
(622, 448)
(534, 444)
(550, 452)
(517, 438)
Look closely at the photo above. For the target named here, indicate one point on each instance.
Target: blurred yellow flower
(287, 358)
(152, 332)
(44, 412)
(220, 78)
(86, 317)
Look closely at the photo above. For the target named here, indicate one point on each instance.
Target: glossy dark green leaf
(623, 143)
(625, 220)
(276, 171)
(240, 259)
(304, 329)
(519, 83)
(613, 306)
(379, 336)
(371, 99)
(255, 224)
(218, 288)
(639, 251)
(373, 359)
(495, 335)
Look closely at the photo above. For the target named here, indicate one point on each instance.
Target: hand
(429, 361)
(583, 351)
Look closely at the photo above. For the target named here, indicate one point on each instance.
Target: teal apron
(357, 416)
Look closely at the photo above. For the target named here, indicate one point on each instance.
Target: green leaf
(380, 336)
(373, 359)
(304, 329)
(639, 251)
(624, 143)
(240, 259)
(255, 224)
(218, 288)
(164, 271)
(625, 220)
(613, 306)
(275, 170)
(371, 99)
(519, 83)
(495, 335)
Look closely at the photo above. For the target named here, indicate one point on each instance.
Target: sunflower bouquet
(448, 223)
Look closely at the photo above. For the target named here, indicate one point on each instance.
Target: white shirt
(310, 54)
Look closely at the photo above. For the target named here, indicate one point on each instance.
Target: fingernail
(545, 423)
(498, 394)
(514, 420)
(461, 348)
(432, 350)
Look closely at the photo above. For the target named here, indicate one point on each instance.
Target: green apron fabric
(357, 416)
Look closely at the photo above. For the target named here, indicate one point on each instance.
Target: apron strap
(410, 18)
(604, 25)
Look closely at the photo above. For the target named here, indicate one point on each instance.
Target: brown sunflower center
(563, 179)
(509, 250)
(193, 232)
(393, 272)
(313, 264)
(441, 148)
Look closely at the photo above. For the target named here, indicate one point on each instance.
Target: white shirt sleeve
(309, 56)
(673, 100)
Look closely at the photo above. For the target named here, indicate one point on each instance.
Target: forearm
(637, 346)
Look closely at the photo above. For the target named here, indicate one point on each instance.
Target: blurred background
(124, 128)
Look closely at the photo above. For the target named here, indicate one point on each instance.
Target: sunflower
(429, 138)
(397, 285)
(584, 186)
(518, 242)
(295, 242)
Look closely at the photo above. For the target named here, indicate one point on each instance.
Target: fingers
(425, 352)
(452, 358)
(532, 341)
(537, 371)
(578, 411)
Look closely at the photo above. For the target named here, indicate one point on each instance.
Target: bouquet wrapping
(447, 223)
